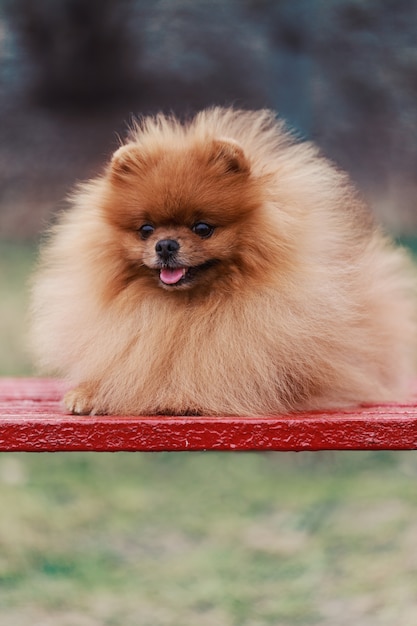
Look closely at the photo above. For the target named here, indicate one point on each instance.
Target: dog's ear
(229, 154)
(127, 160)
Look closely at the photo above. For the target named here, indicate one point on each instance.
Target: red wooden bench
(32, 419)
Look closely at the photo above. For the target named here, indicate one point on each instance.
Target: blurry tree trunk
(79, 49)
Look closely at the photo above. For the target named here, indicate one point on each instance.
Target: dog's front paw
(83, 401)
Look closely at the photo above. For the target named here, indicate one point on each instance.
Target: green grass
(15, 263)
(221, 539)
(210, 539)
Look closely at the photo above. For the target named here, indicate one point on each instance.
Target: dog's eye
(203, 230)
(146, 230)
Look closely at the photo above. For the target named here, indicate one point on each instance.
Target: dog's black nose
(166, 248)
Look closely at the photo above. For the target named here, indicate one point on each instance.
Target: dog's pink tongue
(171, 276)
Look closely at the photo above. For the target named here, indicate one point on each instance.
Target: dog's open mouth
(172, 276)
(176, 276)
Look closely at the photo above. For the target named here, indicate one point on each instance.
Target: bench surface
(32, 419)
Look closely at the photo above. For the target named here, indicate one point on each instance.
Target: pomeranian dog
(220, 267)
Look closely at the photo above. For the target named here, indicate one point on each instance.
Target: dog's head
(183, 213)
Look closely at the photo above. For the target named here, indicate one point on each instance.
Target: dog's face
(183, 215)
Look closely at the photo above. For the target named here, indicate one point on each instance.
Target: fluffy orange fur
(279, 294)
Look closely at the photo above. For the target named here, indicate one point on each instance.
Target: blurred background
(216, 540)
(73, 73)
